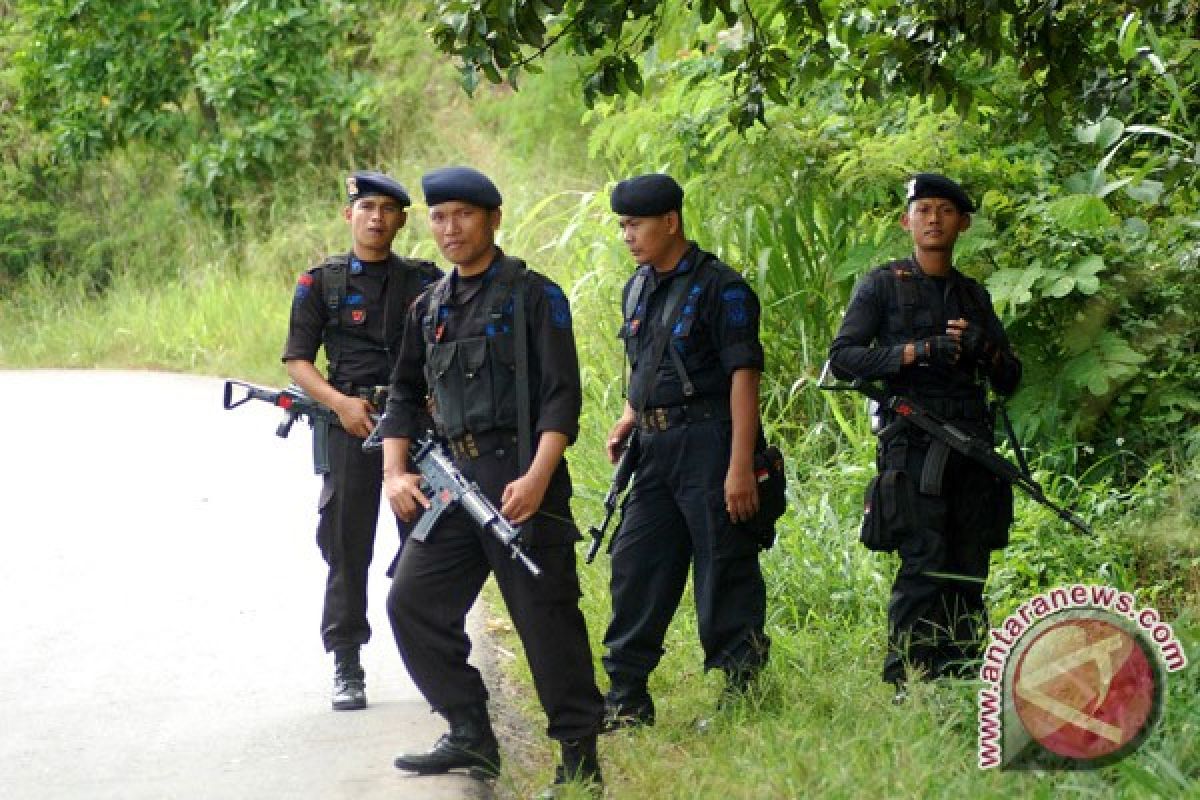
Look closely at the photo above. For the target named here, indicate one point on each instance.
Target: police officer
(353, 304)
(466, 349)
(929, 332)
(691, 336)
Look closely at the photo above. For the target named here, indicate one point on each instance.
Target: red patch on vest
(357, 316)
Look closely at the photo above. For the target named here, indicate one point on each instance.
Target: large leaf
(1108, 361)
(1080, 213)
(1013, 286)
(1102, 133)
(1084, 273)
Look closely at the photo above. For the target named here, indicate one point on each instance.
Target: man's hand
(522, 498)
(354, 414)
(974, 341)
(404, 495)
(741, 492)
(943, 350)
(618, 436)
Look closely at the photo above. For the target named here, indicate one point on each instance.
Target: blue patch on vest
(560, 309)
(734, 300)
(301, 293)
(354, 299)
(356, 266)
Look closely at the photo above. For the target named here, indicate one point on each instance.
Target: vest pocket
(504, 379)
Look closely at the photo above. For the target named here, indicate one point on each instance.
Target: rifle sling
(524, 422)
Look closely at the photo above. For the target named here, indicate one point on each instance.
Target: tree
(775, 51)
(240, 90)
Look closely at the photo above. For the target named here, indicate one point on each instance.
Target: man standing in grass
(930, 333)
(691, 336)
(492, 346)
(353, 305)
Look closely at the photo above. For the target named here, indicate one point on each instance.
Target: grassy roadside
(181, 297)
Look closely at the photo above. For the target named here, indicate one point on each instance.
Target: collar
(486, 275)
(687, 263)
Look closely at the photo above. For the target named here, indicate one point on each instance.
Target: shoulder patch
(303, 286)
(560, 309)
(733, 300)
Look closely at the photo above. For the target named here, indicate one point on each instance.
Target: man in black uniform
(691, 336)
(353, 304)
(466, 348)
(930, 333)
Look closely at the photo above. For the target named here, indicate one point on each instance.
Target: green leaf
(1085, 271)
(1080, 213)
(1060, 287)
(1147, 191)
(1013, 286)
(1103, 133)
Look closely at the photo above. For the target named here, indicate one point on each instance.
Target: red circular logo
(1086, 688)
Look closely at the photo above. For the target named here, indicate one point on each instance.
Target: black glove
(976, 344)
(941, 350)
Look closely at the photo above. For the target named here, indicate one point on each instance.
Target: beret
(369, 184)
(462, 184)
(929, 184)
(647, 196)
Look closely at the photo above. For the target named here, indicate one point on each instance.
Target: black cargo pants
(438, 580)
(674, 518)
(349, 509)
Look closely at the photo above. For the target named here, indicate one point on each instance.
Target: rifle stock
(295, 404)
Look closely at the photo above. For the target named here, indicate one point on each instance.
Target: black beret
(460, 183)
(929, 184)
(369, 184)
(647, 196)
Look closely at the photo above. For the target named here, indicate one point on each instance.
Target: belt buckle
(660, 418)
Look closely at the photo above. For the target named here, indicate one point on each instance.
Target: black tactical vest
(678, 314)
(340, 334)
(472, 380)
(910, 319)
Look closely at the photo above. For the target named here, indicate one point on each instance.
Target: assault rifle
(295, 404)
(620, 481)
(911, 413)
(445, 486)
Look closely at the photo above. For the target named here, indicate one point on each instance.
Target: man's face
(374, 222)
(934, 223)
(648, 238)
(464, 233)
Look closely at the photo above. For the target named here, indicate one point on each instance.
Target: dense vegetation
(167, 168)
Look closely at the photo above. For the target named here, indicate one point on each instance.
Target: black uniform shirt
(870, 342)
(555, 392)
(377, 295)
(715, 331)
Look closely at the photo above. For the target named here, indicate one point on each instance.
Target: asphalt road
(160, 595)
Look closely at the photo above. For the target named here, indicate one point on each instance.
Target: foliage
(241, 90)
(776, 51)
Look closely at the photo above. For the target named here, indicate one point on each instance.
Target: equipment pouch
(887, 511)
(996, 526)
(772, 494)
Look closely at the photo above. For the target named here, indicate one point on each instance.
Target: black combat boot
(738, 684)
(579, 765)
(470, 744)
(628, 704)
(349, 681)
